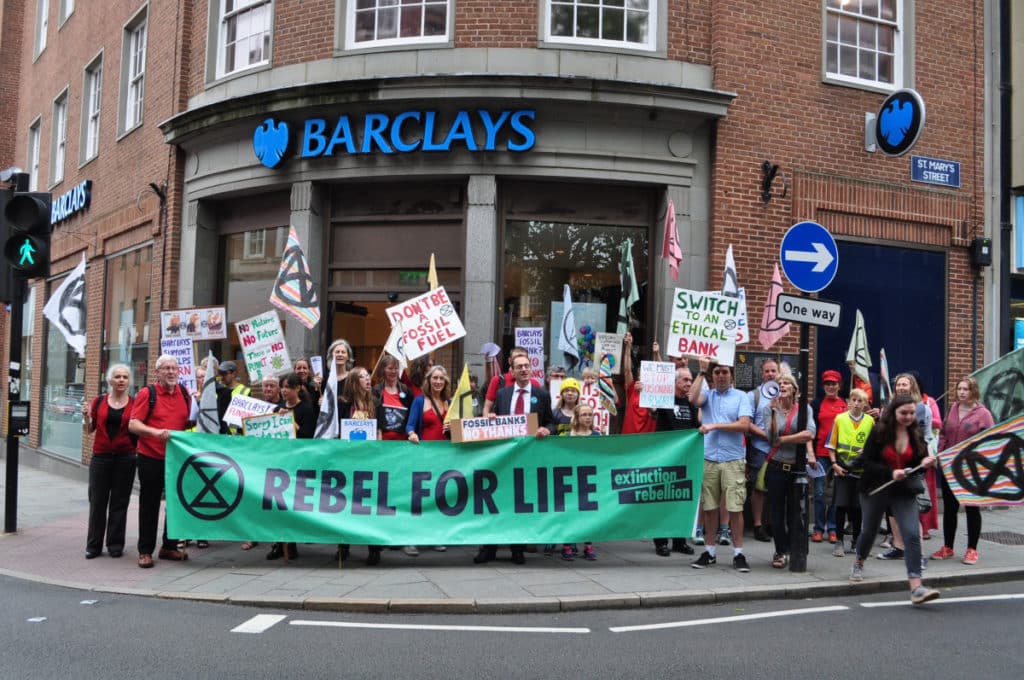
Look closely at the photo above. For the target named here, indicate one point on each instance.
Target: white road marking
(427, 626)
(727, 619)
(259, 623)
(947, 600)
(36, 619)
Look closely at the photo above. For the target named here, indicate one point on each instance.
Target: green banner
(1001, 385)
(522, 490)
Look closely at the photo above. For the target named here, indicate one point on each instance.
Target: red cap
(831, 376)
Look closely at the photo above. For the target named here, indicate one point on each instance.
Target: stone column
(198, 266)
(480, 295)
(308, 220)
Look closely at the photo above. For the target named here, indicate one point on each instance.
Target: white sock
(711, 550)
(737, 551)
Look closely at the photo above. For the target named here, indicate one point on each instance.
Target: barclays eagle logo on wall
(270, 142)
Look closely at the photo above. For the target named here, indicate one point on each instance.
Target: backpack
(152, 399)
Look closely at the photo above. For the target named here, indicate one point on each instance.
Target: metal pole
(798, 545)
(13, 394)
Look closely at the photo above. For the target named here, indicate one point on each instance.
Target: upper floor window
(67, 7)
(244, 35)
(91, 100)
(863, 41)
(42, 21)
(609, 23)
(33, 157)
(133, 72)
(60, 137)
(378, 23)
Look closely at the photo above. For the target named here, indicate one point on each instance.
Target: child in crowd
(850, 431)
(582, 426)
(566, 403)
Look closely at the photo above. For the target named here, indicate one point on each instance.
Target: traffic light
(27, 248)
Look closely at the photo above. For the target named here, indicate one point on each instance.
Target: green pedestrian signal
(27, 249)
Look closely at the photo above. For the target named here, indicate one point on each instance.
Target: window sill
(128, 131)
(861, 85)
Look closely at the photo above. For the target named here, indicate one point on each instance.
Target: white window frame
(42, 24)
(650, 45)
(852, 13)
(67, 8)
(254, 245)
(34, 138)
(410, 41)
(92, 105)
(134, 42)
(58, 149)
(224, 18)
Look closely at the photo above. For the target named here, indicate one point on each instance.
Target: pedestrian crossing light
(27, 249)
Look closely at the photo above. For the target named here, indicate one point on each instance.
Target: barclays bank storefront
(517, 184)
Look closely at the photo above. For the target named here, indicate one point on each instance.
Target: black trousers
(111, 476)
(151, 489)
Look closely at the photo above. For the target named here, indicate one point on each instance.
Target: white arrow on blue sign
(809, 256)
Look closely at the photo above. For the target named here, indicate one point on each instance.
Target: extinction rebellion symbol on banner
(210, 485)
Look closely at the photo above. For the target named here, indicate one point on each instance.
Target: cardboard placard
(270, 426)
(245, 407)
(659, 384)
(316, 365)
(358, 429)
(182, 349)
(499, 427)
(704, 324)
(532, 340)
(609, 344)
(263, 346)
(429, 322)
(198, 323)
(590, 394)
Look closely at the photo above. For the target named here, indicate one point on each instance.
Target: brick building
(521, 141)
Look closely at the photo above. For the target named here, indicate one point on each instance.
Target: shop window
(33, 156)
(542, 256)
(93, 91)
(379, 23)
(42, 22)
(133, 73)
(63, 393)
(609, 23)
(60, 138)
(126, 318)
(864, 42)
(243, 35)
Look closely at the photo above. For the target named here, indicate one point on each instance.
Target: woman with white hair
(112, 466)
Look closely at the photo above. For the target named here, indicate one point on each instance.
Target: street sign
(808, 310)
(935, 171)
(809, 256)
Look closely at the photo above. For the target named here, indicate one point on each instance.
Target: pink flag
(671, 250)
(772, 330)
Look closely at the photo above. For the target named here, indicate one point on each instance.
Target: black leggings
(856, 518)
(950, 505)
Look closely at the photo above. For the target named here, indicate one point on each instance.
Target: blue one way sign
(809, 256)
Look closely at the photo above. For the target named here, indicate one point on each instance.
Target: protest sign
(742, 327)
(358, 429)
(270, 426)
(183, 350)
(609, 344)
(522, 490)
(532, 340)
(244, 407)
(198, 323)
(429, 322)
(590, 394)
(704, 324)
(499, 427)
(316, 365)
(659, 384)
(263, 346)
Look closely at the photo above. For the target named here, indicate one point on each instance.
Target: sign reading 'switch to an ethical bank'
(704, 324)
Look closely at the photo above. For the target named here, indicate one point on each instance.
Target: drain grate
(1003, 537)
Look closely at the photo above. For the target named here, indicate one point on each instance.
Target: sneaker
(567, 554)
(920, 595)
(857, 573)
(832, 537)
(705, 560)
(838, 551)
(724, 536)
(943, 553)
(411, 551)
(816, 536)
(970, 557)
(698, 538)
(739, 563)
(588, 553)
(891, 554)
(886, 544)
(924, 563)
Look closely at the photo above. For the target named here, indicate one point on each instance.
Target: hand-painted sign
(358, 429)
(429, 322)
(658, 379)
(606, 344)
(532, 340)
(270, 426)
(263, 346)
(183, 350)
(499, 427)
(242, 407)
(704, 324)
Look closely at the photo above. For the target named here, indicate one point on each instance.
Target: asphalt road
(51, 632)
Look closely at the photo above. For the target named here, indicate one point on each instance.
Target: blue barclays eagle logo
(270, 141)
(895, 121)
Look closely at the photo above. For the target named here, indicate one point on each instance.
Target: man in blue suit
(520, 398)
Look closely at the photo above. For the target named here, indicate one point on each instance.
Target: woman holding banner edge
(427, 418)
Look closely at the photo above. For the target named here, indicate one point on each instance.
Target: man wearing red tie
(520, 398)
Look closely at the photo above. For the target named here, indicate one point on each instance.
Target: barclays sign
(74, 201)
(406, 132)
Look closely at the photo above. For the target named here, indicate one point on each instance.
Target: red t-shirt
(898, 461)
(433, 427)
(827, 412)
(169, 413)
(636, 419)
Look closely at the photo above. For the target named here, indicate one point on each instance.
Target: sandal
(779, 561)
(249, 545)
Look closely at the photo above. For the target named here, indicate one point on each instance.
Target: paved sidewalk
(49, 546)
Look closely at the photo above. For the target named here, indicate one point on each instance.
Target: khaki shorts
(724, 479)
